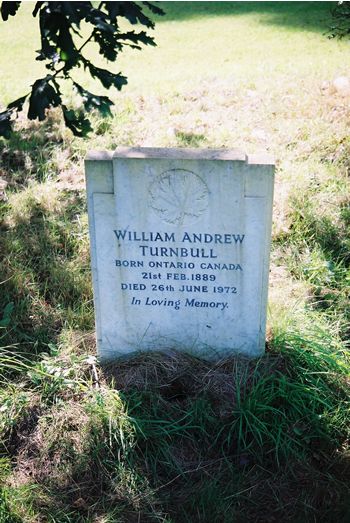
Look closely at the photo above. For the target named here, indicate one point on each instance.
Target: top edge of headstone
(98, 156)
(181, 153)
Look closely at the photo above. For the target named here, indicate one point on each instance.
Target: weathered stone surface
(180, 243)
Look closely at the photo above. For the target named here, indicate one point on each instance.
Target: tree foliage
(340, 27)
(61, 26)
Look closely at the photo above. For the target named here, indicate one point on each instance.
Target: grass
(172, 438)
(160, 438)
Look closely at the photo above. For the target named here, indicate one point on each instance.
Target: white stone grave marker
(180, 244)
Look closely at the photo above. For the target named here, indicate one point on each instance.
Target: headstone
(180, 244)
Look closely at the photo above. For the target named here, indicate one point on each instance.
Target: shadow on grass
(334, 244)
(28, 155)
(332, 238)
(309, 16)
(40, 245)
(175, 439)
(190, 139)
(319, 249)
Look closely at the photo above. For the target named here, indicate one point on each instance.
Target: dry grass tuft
(179, 377)
(76, 343)
(51, 447)
(24, 205)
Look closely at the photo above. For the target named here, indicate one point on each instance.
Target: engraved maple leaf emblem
(179, 196)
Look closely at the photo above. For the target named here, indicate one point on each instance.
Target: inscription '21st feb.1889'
(157, 268)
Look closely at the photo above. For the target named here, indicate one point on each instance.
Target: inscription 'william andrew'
(134, 236)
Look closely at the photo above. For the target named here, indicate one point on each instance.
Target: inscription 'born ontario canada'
(185, 268)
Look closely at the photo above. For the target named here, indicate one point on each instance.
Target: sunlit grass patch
(37, 199)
